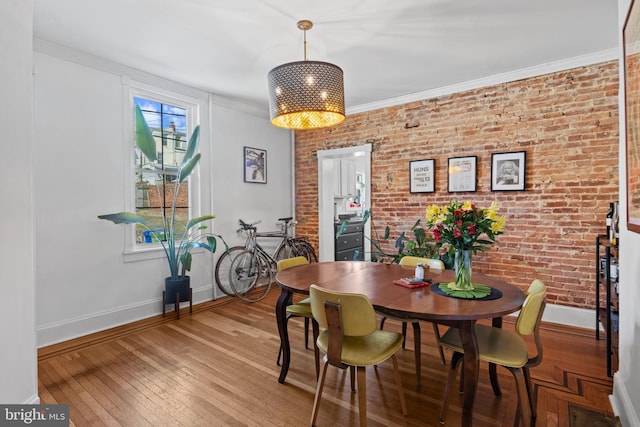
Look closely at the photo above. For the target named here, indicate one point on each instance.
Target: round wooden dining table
(375, 280)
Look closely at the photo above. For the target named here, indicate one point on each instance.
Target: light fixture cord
(305, 45)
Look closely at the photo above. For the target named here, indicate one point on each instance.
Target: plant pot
(178, 285)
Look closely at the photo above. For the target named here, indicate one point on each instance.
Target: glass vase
(462, 267)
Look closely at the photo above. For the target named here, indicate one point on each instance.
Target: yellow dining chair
(300, 309)
(350, 339)
(507, 349)
(434, 264)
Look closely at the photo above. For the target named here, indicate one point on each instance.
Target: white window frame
(133, 89)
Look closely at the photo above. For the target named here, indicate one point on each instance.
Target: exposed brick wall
(567, 122)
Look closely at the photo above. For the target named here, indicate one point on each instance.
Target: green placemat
(478, 292)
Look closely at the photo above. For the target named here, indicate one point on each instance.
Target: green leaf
(185, 260)
(192, 146)
(387, 231)
(400, 243)
(186, 169)
(366, 216)
(194, 221)
(144, 138)
(124, 218)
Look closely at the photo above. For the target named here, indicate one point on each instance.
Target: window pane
(156, 181)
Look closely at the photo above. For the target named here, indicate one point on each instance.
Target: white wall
(82, 283)
(18, 368)
(626, 386)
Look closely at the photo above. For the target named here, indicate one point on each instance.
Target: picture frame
(463, 172)
(255, 165)
(631, 54)
(508, 171)
(422, 176)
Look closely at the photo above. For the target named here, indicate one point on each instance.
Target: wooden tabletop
(376, 281)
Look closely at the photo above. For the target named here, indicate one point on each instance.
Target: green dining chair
(350, 339)
(500, 347)
(300, 309)
(434, 264)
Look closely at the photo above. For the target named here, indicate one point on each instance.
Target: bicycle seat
(287, 219)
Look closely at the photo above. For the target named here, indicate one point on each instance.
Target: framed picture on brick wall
(462, 174)
(508, 171)
(255, 165)
(422, 176)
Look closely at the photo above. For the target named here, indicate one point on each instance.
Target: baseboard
(33, 400)
(570, 316)
(621, 403)
(54, 333)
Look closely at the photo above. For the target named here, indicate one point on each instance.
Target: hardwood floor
(217, 367)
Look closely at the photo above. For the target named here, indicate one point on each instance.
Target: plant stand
(177, 302)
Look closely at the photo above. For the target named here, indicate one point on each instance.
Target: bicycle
(246, 271)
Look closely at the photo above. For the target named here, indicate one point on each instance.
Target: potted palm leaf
(177, 237)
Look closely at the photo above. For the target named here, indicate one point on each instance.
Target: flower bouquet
(466, 229)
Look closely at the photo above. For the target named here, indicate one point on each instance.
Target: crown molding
(524, 73)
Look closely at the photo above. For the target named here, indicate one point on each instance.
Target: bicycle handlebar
(245, 226)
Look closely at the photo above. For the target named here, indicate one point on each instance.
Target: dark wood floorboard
(217, 367)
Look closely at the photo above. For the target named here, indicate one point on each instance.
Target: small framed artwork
(462, 174)
(508, 171)
(422, 176)
(255, 165)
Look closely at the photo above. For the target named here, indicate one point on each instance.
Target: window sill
(143, 254)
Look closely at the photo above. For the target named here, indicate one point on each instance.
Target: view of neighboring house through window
(156, 181)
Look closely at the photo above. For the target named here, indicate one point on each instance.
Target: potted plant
(421, 245)
(177, 238)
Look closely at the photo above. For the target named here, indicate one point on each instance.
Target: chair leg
(319, 386)
(436, 331)
(396, 374)
(382, 322)
(316, 351)
(493, 376)
(523, 396)
(453, 368)
(306, 333)
(404, 333)
(417, 347)
(362, 395)
(352, 375)
(532, 402)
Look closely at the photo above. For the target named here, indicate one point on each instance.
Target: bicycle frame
(252, 244)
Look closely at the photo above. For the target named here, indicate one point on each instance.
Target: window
(155, 181)
(172, 115)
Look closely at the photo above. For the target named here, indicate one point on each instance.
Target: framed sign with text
(422, 176)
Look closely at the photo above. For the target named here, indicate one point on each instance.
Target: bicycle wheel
(297, 247)
(223, 267)
(286, 251)
(304, 248)
(250, 276)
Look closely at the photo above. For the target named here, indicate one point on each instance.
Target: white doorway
(336, 196)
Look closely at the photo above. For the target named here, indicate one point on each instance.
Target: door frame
(326, 234)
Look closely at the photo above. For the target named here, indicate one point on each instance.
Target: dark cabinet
(607, 304)
(349, 246)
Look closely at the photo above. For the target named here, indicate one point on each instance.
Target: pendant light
(306, 94)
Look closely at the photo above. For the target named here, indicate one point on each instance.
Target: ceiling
(386, 48)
